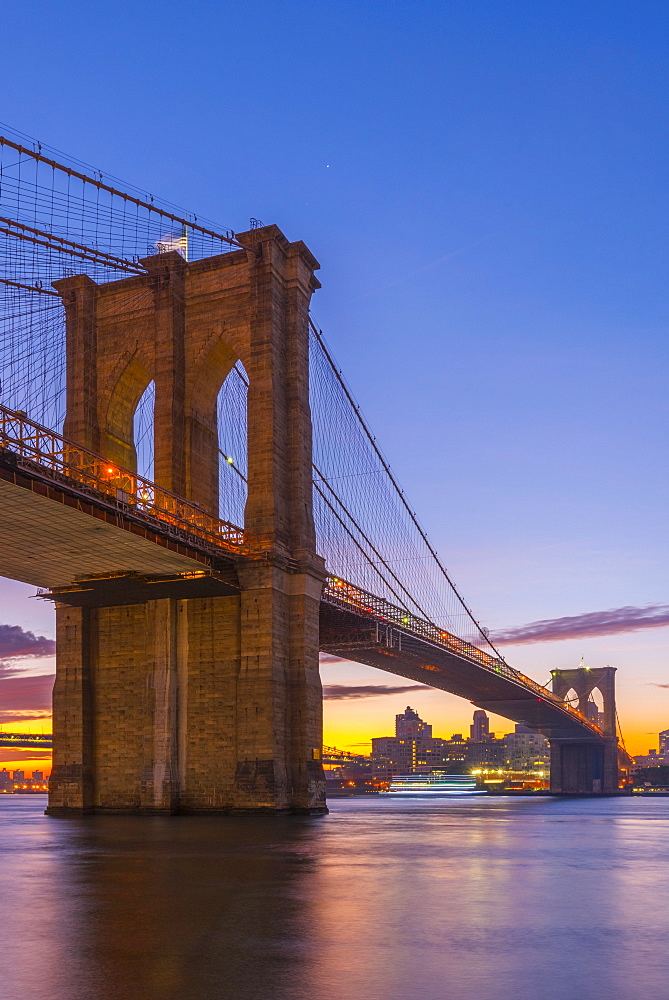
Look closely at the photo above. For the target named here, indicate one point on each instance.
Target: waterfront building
(485, 754)
(526, 750)
(395, 756)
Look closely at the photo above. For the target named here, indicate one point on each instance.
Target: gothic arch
(208, 378)
(201, 406)
(117, 429)
(583, 681)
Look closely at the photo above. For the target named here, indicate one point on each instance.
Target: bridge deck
(356, 636)
(59, 532)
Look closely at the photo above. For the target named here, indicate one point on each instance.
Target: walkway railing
(351, 598)
(82, 468)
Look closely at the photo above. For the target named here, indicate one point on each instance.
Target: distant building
(410, 726)
(655, 758)
(5, 780)
(38, 777)
(413, 749)
(486, 755)
(393, 755)
(592, 712)
(480, 727)
(526, 750)
(18, 776)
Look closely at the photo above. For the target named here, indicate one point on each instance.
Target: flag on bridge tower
(173, 241)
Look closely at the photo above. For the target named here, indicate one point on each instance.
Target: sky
(484, 185)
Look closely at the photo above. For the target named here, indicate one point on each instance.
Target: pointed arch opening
(596, 706)
(143, 424)
(571, 698)
(232, 424)
(119, 435)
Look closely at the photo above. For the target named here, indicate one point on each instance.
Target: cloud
(612, 622)
(654, 685)
(16, 642)
(347, 692)
(23, 698)
(329, 658)
(18, 756)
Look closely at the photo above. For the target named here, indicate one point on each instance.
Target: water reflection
(541, 899)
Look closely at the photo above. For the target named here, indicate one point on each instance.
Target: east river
(457, 899)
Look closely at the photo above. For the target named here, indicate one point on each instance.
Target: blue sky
(485, 187)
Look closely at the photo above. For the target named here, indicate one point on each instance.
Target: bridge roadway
(67, 515)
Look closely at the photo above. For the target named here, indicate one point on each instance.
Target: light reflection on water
(382, 900)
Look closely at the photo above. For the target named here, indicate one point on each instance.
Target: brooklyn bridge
(185, 473)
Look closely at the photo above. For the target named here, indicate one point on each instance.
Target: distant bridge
(26, 741)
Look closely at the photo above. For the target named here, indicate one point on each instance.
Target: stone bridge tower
(198, 704)
(587, 767)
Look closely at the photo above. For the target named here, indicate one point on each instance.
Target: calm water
(462, 899)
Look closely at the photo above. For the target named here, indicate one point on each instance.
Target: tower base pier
(201, 705)
(584, 768)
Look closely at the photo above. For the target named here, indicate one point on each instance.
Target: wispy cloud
(408, 276)
(654, 685)
(347, 692)
(16, 642)
(612, 622)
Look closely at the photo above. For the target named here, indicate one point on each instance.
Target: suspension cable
(356, 409)
(369, 542)
(228, 237)
(28, 288)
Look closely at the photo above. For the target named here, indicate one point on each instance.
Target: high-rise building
(19, 776)
(412, 750)
(664, 743)
(410, 726)
(480, 727)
